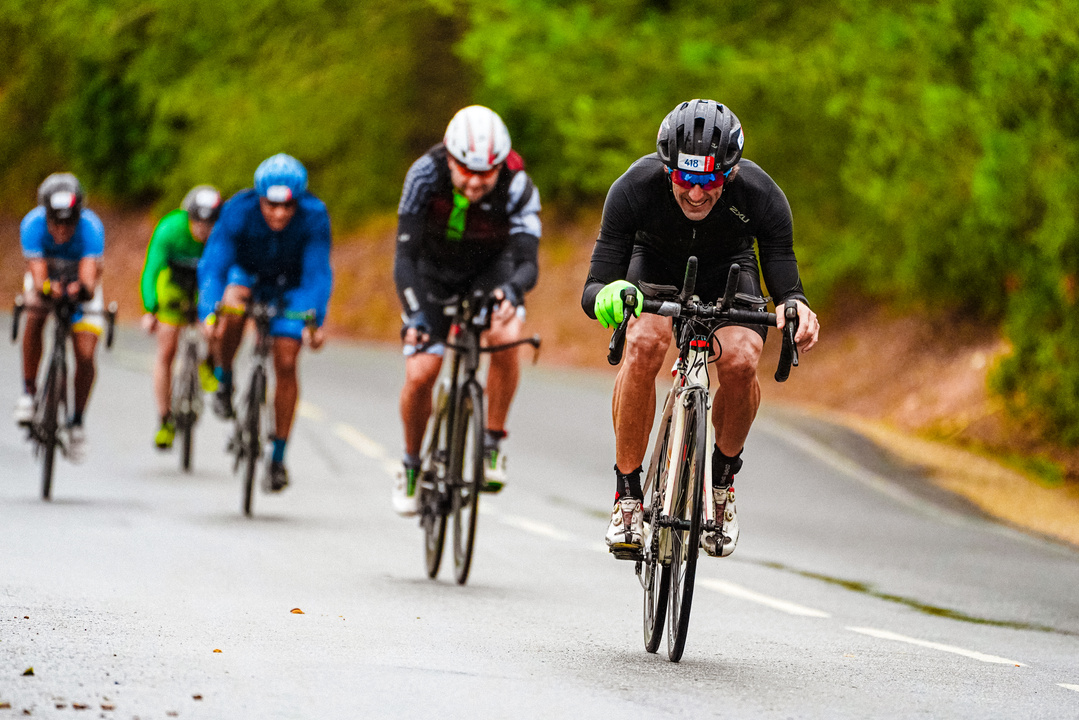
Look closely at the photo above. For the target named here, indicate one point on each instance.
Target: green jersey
(172, 240)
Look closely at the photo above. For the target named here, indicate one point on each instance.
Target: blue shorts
(283, 325)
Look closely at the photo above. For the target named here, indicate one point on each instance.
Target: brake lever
(788, 355)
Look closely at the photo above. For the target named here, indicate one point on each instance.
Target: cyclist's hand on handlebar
(415, 331)
(609, 307)
(808, 325)
(209, 326)
(149, 323)
(506, 307)
(314, 336)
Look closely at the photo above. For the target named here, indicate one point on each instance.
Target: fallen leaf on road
(108, 707)
(196, 697)
(216, 650)
(61, 706)
(25, 617)
(29, 671)
(79, 706)
(296, 611)
(5, 706)
(172, 713)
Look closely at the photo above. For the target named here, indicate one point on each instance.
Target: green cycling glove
(609, 306)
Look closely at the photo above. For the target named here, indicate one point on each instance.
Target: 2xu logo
(739, 215)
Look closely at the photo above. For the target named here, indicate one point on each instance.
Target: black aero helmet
(61, 196)
(202, 202)
(700, 136)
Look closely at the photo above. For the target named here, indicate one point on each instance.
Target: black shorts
(435, 291)
(661, 269)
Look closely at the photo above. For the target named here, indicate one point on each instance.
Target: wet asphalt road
(852, 594)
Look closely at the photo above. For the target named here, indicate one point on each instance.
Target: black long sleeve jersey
(502, 228)
(642, 219)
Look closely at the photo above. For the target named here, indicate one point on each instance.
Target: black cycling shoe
(276, 477)
(222, 402)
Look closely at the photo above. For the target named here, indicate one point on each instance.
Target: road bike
(451, 469)
(254, 417)
(186, 387)
(678, 485)
(51, 400)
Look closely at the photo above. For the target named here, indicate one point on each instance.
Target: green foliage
(145, 98)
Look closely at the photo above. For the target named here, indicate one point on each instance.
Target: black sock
(628, 484)
(76, 418)
(492, 438)
(30, 386)
(724, 468)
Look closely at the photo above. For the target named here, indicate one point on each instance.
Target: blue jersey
(297, 259)
(87, 242)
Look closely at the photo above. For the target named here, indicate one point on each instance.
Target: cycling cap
(700, 136)
(477, 138)
(281, 178)
(61, 195)
(202, 202)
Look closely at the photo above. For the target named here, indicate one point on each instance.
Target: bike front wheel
(686, 514)
(655, 572)
(466, 476)
(251, 435)
(186, 406)
(432, 484)
(49, 427)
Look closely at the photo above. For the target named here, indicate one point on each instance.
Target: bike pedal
(626, 553)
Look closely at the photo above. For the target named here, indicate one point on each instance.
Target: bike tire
(252, 438)
(432, 489)
(49, 429)
(466, 476)
(687, 506)
(189, 398)
(656, 575)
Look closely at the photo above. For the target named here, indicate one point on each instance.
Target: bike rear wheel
(251, 437)
(687, 511)
(466, 476)
(49, 429)
(432, 484)
(186, 406)
(655, 574)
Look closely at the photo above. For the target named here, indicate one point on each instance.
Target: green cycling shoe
(165, 435)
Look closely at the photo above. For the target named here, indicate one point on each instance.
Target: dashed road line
(1069, 687)
(367, 447)
(888, 635)
(536, 528)
(310, 411)
(737, 591)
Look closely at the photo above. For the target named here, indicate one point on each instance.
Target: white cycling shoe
(77, 445)
(726, 509)
(624, 534)
(405, 496)
(24, 409)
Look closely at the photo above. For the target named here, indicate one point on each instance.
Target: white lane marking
(1069, 687)
(358, 440)
(887, 635)
(737, 591)
(310, 411)
(536, 528)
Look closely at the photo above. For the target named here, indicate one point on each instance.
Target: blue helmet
(281, 178)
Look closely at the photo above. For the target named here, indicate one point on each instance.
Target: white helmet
(477, 138)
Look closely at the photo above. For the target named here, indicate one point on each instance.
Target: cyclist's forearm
(524, 250)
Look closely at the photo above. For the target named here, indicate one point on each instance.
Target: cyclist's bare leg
(231, 324)
(85, 343)
(167, 340)
(634, 404)
(505, 368)
(739, 393)
(421, 374)
(32, 344)
(287, 388)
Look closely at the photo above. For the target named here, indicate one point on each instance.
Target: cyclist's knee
(740, 358)
(646, 344)
(421, 372)
(286, 352)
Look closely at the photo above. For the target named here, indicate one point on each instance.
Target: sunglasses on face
(481, 174)
(707, 181)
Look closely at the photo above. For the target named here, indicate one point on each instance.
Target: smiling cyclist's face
(696, 202)
(277, 215)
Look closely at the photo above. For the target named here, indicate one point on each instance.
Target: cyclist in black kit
(695, 196)
(468, 220)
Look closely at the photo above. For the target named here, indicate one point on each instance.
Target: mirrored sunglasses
(707, 181)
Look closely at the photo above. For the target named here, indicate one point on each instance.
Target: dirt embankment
(909, 380)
